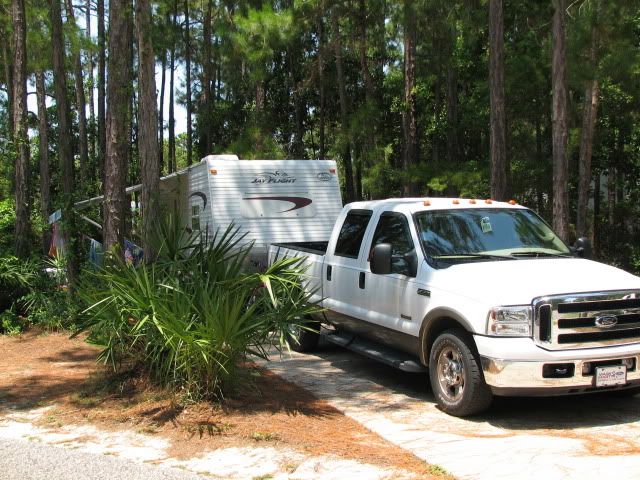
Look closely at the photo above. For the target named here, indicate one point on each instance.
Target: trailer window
(352, 233)
(195, 217)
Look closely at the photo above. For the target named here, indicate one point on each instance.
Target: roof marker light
(472, 201)
(512, 202)
(426, 203)
(488, 201)
(456, 202)
(213, 171)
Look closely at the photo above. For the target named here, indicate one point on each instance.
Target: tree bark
(20, 137)
(45, 178)
(321, 86)
(102, 135)
(344, 118)
(90, 66)
(81, 105)
(118, 96)
(172, 71)
(559, 123)
(148, 121)
(589, 115)
(452, 101)
(410, 115)
(187, 59)
(8, 74)
(65, 152)
(499, 186)
(206, 98)
(163, 82)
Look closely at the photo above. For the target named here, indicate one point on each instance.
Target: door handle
(361, 280)
(329, 273)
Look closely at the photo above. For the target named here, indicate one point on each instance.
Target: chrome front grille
(587, 320)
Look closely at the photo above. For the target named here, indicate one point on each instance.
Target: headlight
(510, 321)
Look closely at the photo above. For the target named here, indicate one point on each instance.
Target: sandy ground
(52, 392)
(587, 437)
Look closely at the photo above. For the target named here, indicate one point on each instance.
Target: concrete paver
(586, 437)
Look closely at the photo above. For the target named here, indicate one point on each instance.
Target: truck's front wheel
(456, 375)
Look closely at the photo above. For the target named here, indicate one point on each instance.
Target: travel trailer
(270, 201)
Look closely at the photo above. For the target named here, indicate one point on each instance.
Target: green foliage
(191, 317)
(11, 323)
(7, 225)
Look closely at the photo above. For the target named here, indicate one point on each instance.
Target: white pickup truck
(480, 293)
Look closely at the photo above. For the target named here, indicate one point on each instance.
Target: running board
(376, 351)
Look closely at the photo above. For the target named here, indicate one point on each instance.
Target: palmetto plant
(193, 315)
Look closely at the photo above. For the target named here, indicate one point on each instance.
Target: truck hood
(518, 282)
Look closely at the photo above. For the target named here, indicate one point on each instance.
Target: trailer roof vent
(222, 157)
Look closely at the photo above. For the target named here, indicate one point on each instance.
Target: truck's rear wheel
(304, 337)
(456, 375)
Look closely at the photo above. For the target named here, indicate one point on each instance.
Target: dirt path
(52, 390)
(586, 437)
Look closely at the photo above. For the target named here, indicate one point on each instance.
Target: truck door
(385, 294)
(342, 268)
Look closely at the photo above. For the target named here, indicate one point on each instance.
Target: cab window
(393, 228)
(352, 233)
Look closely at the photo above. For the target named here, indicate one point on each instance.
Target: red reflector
(332, 170)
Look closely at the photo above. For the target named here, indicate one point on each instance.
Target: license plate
(609, 376)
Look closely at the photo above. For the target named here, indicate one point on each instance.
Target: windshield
(488, 233)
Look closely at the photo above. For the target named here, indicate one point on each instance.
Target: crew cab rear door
(344, 263)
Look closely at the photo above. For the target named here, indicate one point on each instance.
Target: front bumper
(515, 367)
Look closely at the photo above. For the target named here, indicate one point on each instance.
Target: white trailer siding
(274, 201)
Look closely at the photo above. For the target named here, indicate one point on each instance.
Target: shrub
(191, 317)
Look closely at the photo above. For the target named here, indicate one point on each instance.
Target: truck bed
(317, 248)
(312, 255)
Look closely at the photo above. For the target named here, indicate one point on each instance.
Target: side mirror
(583, 248)
(381, 259)
(412, 263)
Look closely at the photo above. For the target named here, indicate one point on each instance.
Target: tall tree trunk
(65, 152)
(205, 101)
(20, 137)
(81, 105)
(499, 168)
(45, 178)
(368, 155)
(102, 135)
(90, 67)
(163, 82)
(589, 115)
(321, 86)
(187, 59)
(118, 96)
(350, 195)
(452, 100)
(148, 121)
(559, 123)
(172, 71)
(8, 75)
(410, 115)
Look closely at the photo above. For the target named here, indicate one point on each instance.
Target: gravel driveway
(586, 437)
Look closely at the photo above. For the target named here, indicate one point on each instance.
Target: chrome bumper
(509, 377)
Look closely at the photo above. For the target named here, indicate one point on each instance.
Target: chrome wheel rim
(451, 374)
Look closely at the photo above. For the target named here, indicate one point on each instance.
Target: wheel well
(430, 332)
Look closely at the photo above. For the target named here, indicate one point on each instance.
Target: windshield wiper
(540, 254)
(481, 256)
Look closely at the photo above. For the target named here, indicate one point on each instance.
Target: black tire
(456, 375)
(304, 338)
